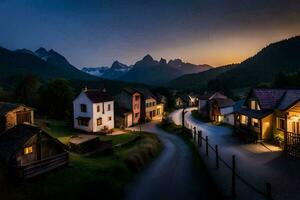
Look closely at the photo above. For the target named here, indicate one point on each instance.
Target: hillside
(198, 81)
(278, 57)
(21, 62)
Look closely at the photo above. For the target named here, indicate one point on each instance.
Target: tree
(26, 90)
(56, 98)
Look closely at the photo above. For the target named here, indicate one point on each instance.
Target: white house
(93, 111)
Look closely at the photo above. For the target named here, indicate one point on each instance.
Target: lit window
(255, 122)
(244, 119)
(280, 123)
(27, 150)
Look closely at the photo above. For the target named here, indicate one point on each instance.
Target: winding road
(172, 175)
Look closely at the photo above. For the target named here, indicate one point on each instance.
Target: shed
(28, 151)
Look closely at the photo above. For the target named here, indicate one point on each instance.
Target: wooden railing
(42, 166)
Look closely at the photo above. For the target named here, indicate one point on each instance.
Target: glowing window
(244, 119)
(27, 150)
(255, 122)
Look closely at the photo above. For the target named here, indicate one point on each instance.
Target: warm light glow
(27, 150)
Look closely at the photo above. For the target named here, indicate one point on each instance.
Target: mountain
(188, 68)
(282, 56)
(198, 81)
(150, 71)
(22, 62)
(96, 71)
(114, 72)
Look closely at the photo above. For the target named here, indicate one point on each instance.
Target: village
(265, 122)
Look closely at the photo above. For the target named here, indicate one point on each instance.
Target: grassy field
(97, 177)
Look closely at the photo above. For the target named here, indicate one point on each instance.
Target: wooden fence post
(217, 157)
(233, 186)
(198, 138)
(194, 135)
(200, 133)
(268, 191)
(206, 141)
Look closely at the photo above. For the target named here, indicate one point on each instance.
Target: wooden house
(204, 102)
(222, 110)
(28, 151)
(93, 111)
(270, 114)
(13, 114)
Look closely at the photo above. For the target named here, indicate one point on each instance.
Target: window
(280, 123)
(136, 115)
(83, 107)
(137, 98)
(244, 119)
(109, 118)
(27, 150)
(98, 108)
(255, 122)
(83, 122)
(295, 127)
(108, 107)
(254, 105)
(154, 103)
(136, 106)
(158, 111)
(99, 121)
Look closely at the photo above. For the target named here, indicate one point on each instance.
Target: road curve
(171, 175)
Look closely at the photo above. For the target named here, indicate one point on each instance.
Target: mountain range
(147, 70)
(282, 56)
(42, 63)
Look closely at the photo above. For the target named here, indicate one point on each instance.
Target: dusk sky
(95, 33)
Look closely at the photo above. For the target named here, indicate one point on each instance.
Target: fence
(201, 142)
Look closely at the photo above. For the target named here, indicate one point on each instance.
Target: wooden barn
(28, 151)
(13, 114)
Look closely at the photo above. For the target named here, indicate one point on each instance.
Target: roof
(6, 107)
(222, 103)
(254, 113)
(145, 92)
(14, 138)
(268, 98)
(238, 105)
(276, 98)
(130, 90)
(97, 96)
(208, 96)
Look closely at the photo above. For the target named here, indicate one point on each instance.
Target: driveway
(172, 175)
(258, 164)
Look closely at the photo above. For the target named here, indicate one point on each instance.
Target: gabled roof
(6, 107)
(13, 139)
(130, 90)
(276, 98)
(97, 96)
(145, 92)
(222, 103)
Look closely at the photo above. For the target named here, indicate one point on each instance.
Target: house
(180, 102)
(204, 102)
(123, 117)
(28, 151)
(129, 102)
(222, 111)
(151, 107)
(93, 111)
(13, 114)
(270, 114)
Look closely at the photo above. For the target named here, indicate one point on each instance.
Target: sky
(96, 33)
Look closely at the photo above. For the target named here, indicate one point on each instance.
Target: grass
(95, 177)
(63, 131)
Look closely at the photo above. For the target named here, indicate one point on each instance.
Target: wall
(83, 99)
(151, 108)
(103, 113)
(136, 107)
(228, 119)
(267, 124)
(202, 105)
(11, 117)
